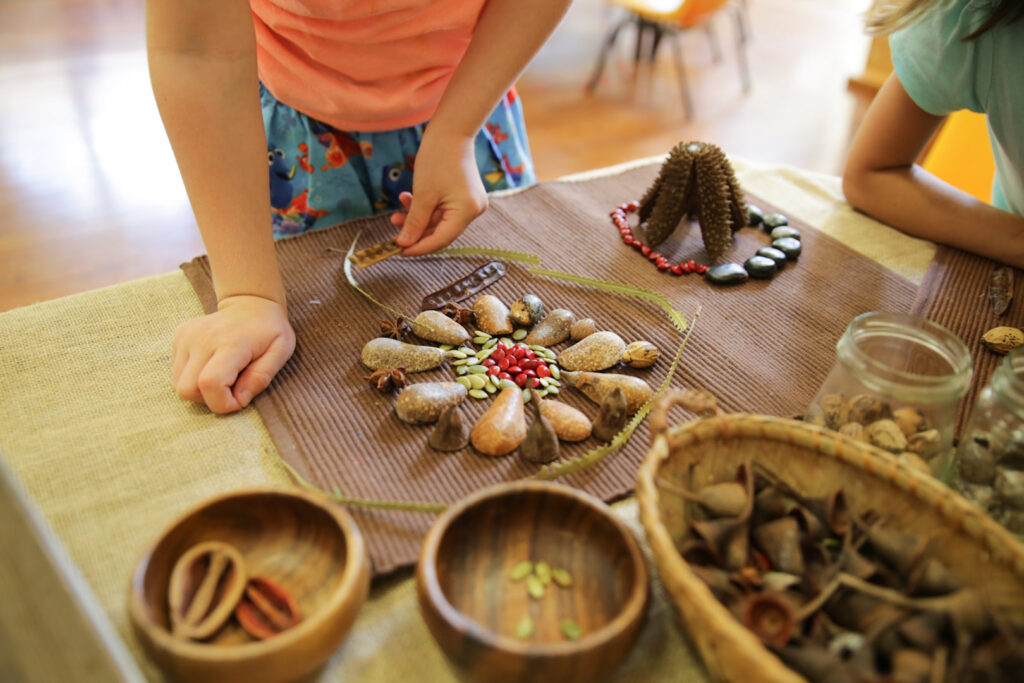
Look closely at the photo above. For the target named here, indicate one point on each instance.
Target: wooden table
(97, 455)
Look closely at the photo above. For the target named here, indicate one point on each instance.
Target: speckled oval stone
(754, 215)
(727, 274)
(593, 353)
(760, 267)
(774, 220)
(424, 402)
(788, 246)
(785, 231)
(774, 254)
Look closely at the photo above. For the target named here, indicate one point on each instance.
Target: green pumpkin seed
(478, 393)
(534, 587)
(524, 629)
(477, 381)
(447, 347)
(570, 629)
(483, 335)
(507, 384)
(480, 340)
(536, 348)
(491, 343)
(486, 353)
(544, 381)
(541, 393)
(477, 369)
(461, 370)
(490, 387)
(551, 390)
(466, 350)
(519, 334)
(464, 381)
(543, 572)
(562, 577)
(553, 382)
(526, 395)
(555, 372)
(521, 570)
(507, 341)
(462, 361)
(458, 354)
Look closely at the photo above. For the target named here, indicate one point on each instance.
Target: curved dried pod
(779, 539)
(910, 420)
(924, 630)
(911, 665)
(865, 409)
(835, 410)
(932, 577)
(582, 329)
(725, 499)
(852, 562)
(451, 433)
(900, 550)
(718, 581)
(640, 354)
(206, 584)
(832, 510)
(435, 326)
(967, 611)
(611, 416)
(528, 310)
(727, 538)
(552, 329)
(855, 430)
(492, 316)
(698, 553)
(383, 352)
(267, 608)
(927, 444)
(887, 435)
(541, 443)
(596, 352)
(597, 385)
(569, 423)
(770, 616)
(502, 428)
(770, 503)
(812, 661)
(424, 402)
(812, 528)
(1003, 339)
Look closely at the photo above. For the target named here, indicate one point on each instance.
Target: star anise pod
(387, 379)
(396, 329)
(459, 313)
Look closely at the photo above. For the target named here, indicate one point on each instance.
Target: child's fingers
(217, 377)
(417, 220)
(447, 229)
(406, 199)
(260, 372)
(186, 383)
(398, 219)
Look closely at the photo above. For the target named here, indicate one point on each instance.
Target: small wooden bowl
(308, 545)
(473, 606)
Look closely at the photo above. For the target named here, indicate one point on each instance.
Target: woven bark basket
(815, 462)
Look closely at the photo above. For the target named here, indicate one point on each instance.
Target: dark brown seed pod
(771, 617)
(451, 433)
(780, 541)
(612, 415)
(541, 443)
(266, 608)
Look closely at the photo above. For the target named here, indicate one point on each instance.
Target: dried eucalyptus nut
(197, 608)
(594, 353)
(976, 462)
(561, 577)
(492, 316)
(524, 629)
(1003, 339)
(423, 403)
(914, 460)
(543, 571)
(583, 328)
(266, 609)
(534, 587)
(835, 409)
(384, 352)
(570, 629)
(528, 310)
(865, 409)
(521, 570)
(640, 354)
(437, 327)
(553, 329)
(887, 435)
(910, 420)
(1009, 488)
(450, 434)
(927, 444)
(856, 431)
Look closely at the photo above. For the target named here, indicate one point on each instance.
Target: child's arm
(447, 190)
(202, 62)
(882, 180)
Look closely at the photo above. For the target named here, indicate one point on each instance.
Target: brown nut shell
(267, 608)
(205, 586)
(640, 354)
(1003, 339)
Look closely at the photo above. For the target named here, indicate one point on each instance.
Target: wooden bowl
(815, 462)
(473, 606)
(305, 543)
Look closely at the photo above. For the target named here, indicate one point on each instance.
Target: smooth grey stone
(788, 246)
(785, 231)
(774, 254)
(727, 274)
(760, 267)
(755, 215)
(774, 220)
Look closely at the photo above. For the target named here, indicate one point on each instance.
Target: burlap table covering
(954, 294)
(108, 455)
(762, 347)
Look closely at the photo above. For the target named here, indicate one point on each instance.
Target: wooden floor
(91, 196)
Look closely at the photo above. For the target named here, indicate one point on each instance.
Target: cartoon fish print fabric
(321, 176)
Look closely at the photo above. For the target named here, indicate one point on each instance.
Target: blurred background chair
(656, 19)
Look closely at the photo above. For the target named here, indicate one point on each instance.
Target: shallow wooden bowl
(307, 544)
(473, 606)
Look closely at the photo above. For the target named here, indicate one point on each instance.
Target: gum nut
(424, 402)
(528, 310)
(569, 423)
(866, 409)
(492, 316)
(909, 419)
(1002, 339)
(927, 444)
(582, 328)
(887, 435)
(1010, 488)
(593, 353)
(640, 354)
(915, 461)
(437, 327)
(553, 329)
(835, 409)
(975, 462)
(855, 430)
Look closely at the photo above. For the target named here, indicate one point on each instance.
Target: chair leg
(741, 49)
(684, 87)
(602, 57)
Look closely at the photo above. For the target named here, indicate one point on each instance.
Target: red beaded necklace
(683, 267)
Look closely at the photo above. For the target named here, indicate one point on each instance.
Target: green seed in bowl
(570, 629)
(562, 577)
(524, 629)
(543, 571)
(534, 587)
(521, 570)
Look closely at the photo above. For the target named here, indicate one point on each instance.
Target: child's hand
(225, 358)
(447, 194)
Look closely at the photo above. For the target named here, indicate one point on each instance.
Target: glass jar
(896, 384)
(990, 457)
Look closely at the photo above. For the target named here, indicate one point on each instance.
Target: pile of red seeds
(518, 363)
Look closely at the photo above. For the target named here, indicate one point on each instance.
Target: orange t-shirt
(362, 65)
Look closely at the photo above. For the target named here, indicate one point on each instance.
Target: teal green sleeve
(940, 71)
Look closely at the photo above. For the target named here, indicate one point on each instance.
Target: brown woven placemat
(763, 347)
(954, 294)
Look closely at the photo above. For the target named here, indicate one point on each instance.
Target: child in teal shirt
(947, 55)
